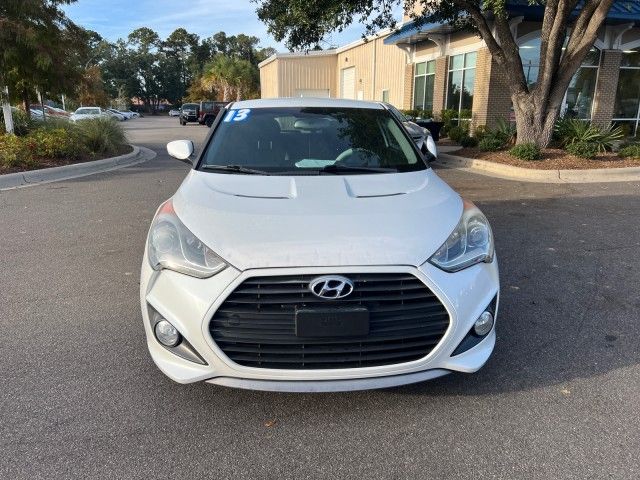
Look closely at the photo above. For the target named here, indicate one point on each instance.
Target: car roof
(306, 102)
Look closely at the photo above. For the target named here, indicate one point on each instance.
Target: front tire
(209, 122)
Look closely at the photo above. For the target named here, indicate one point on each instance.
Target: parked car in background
(189, 113)
(116, 115)
(134, 114)
(174, 112)
(36, 113)
(420, 135)
(312, 248)
(208, 112)
(126, 114)
(85, 113)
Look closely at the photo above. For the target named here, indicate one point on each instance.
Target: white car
(121, 117)
(85, 113)
(174, 113)
(126, 114)
(312, 248)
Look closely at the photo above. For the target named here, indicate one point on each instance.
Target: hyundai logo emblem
(331, 287)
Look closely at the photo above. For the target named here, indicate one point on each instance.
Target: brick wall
(605, 94)
(491, 99)
(407, 101)
(440, 85)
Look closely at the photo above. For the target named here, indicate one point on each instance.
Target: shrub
(526, 151)
(15, 151)
(504, 130)
(101, 135)
(468, 142)
(491, 143)
(630, 151)
(449, 118)
(417, 113)
(480, 131)
(571, 130)
(21, 124)
(457, 133)
(57, 143)
(583, 149)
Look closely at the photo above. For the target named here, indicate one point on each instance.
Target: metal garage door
(348, 83)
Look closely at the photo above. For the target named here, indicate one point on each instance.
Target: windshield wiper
(352, 168)
(234, 169)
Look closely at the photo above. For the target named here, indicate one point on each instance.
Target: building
(434, 67)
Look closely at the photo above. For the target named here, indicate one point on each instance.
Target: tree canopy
(41, 49)
(569, 29)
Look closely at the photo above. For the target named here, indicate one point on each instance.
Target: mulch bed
(553, 159)
(59, 162)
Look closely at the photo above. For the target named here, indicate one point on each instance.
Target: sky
(115, 19)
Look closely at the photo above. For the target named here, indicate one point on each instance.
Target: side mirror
(181, 149)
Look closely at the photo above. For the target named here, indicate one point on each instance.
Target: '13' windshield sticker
(237, 115)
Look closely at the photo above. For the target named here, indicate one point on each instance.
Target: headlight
(470, 242)
(171, 245)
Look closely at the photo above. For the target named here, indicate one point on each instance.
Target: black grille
(255, 325)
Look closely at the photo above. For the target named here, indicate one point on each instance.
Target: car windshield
(307, 141)
(88, 111)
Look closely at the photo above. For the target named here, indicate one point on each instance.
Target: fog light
(484, 324)
(167, 334)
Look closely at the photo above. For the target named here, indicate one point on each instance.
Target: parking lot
(81, 398)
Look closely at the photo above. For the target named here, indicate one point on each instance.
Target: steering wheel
(358, 157)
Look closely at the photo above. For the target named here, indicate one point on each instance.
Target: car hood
(257, 221)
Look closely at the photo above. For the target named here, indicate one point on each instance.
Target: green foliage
(583, 149)
(571, 130)
(630, 151)
(469, 142)
(498, 138)
(14, 151)
(449, 118)
(491, 143)
(480, 131)
(526, 151)
(504, 130)
(51, 139)
(21, 124)
(417, 113)
(457, 133)
(57, 143)
(101, 135)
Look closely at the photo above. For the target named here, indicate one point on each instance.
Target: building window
(530, 57)
(385, 96)
(627, 109)
(423, 82)
(578, 100)
(462, 76)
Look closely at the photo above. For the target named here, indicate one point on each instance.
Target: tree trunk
(26, 103)
(534, 122)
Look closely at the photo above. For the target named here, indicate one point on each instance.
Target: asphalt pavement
(81, 398)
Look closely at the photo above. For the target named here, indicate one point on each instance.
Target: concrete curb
(67, 172)
(509, 172)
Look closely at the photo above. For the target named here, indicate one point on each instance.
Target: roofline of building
(325, 53)
(310, 53)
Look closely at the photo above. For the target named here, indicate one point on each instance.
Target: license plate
(332, 322)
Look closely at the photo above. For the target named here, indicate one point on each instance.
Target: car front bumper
(189, 304)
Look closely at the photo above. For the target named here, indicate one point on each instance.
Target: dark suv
(208, 111)
(189, 113)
